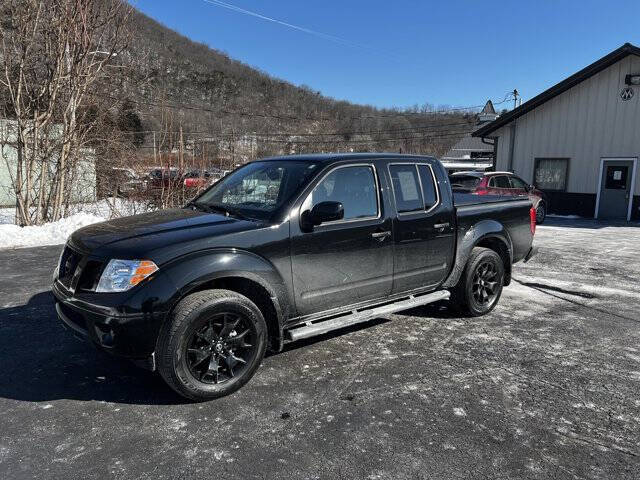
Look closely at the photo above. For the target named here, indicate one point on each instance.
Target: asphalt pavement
(546, 386)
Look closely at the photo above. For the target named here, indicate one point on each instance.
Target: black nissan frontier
(283, 249)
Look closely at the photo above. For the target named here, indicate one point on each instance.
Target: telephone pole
(515, 98)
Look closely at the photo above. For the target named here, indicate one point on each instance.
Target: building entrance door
(615, 188)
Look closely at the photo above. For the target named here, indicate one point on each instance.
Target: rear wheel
(541, 213)
(213, 344)
(480, 286)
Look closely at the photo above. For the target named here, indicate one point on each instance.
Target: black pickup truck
(279, 250)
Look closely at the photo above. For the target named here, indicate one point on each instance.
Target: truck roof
(332, 157)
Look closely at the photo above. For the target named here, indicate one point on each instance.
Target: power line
(417, 129)
(295, 117)
(443, 135)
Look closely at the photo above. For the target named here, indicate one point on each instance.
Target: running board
(318, 327)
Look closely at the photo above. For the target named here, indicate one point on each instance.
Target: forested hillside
(94, 94)
(177, 82)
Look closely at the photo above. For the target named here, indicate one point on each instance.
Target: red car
(500, 183)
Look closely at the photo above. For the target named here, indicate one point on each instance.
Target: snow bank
(12, 236)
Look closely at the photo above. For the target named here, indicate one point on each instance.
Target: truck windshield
(258, 189)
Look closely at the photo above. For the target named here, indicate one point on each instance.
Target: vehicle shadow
(41, 361)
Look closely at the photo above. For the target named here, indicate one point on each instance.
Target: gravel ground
(546, 386)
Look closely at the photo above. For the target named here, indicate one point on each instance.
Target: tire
(212, 344)
(541, 213)
(486, 265)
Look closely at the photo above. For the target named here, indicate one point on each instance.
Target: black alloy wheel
(221, 348)
(479, 288)
(211, 344)
(485, 283)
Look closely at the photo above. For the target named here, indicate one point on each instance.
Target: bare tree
(55, 57)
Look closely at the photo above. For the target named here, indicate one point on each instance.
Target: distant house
(81, 182)
(471, 153)
(579, 141)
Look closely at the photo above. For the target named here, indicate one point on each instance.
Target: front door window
(354, 187)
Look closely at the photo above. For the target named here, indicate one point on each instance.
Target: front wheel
(480, 286)
(212, 344)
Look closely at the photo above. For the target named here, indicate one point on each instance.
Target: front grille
(73, 264)
(69, 262)
(90, 275)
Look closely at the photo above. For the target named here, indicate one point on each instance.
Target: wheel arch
(488, 234)
(242, 272)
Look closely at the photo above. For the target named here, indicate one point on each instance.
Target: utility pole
(515, 98)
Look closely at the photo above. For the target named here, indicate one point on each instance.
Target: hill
(174, 81)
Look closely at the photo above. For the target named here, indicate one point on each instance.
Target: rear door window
(429, 189)
(406, 188)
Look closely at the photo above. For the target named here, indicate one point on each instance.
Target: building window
(551, 173)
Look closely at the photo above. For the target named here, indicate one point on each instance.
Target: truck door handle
(381, 235)
(441, 226)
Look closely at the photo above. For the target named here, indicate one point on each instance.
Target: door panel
(422, 229)
(348, 261)
(615, 189)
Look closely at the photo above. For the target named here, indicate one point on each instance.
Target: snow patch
(54, 233)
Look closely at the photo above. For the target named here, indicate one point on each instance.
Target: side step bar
(318, 327)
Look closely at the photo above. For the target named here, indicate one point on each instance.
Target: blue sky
(400, 53)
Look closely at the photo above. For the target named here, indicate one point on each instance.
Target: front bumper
(131, 336)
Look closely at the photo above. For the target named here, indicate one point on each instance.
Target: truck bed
(510, 213)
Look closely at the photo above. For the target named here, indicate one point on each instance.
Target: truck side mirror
(327, 212)
(323, 212)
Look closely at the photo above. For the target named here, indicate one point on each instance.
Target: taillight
(532, 220)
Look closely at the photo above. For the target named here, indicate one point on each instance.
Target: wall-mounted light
(632, 79)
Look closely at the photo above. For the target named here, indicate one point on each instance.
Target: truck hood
(148, 231)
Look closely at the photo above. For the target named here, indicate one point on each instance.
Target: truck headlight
(121, 275)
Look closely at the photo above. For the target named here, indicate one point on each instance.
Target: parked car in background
(197, 179)
(127, 182)
(202, 178)
(500, 183)
(160, 177)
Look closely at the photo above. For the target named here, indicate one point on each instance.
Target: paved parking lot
(546, 386)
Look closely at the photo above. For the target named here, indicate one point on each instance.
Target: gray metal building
(579, 141)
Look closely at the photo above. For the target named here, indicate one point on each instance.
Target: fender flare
(190, 272)
(483, 230)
